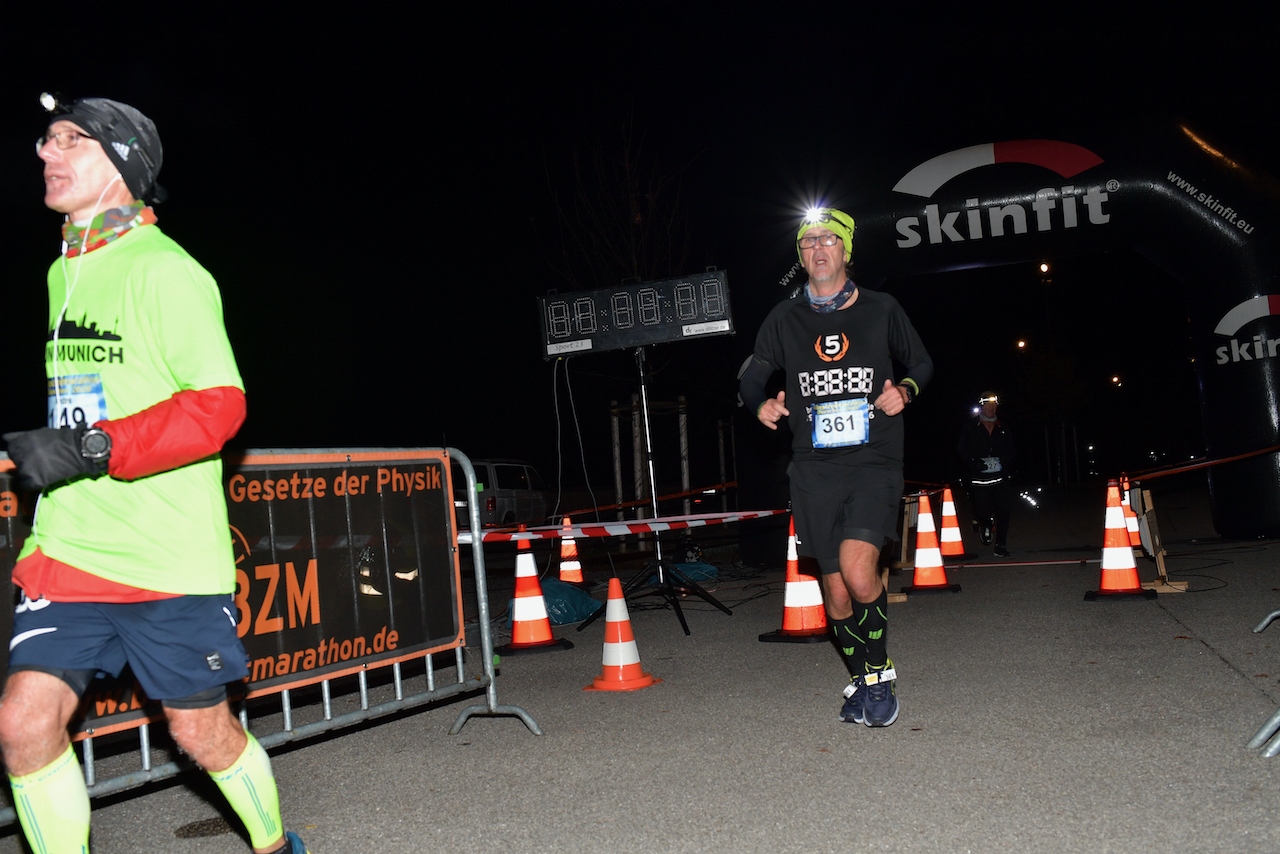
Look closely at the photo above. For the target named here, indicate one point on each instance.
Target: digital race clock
(634, 315)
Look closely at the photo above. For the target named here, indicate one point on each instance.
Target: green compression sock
(852, 642)
(873, 623)
(251, 790)
(53, 807)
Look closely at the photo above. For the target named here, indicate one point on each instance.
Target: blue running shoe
(855, 694)
(294, 844)
(880, 708)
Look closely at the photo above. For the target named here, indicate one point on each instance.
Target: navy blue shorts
(177, 648)
(831, 502)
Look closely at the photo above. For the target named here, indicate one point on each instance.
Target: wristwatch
(95, 444)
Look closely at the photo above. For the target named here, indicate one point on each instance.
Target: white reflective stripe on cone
(1116, 557)
(928, 557)
(616, 611)
(528, 608)
(621, 654)
(802, 594)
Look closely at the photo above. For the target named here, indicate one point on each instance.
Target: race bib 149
(75, 400)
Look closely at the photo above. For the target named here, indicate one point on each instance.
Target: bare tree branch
(619, 215)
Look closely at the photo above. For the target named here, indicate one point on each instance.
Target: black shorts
(178, 649)
(831, 502)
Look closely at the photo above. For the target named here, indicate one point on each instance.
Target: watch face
(96, 444)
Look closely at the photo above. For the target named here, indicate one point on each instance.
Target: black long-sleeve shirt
(843, 355)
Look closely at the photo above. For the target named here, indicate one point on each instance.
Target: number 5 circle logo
(831, 348)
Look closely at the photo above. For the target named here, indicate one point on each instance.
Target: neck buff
(986, 419)
(826, 305)
(105, 228)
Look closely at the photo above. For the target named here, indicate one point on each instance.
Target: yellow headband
(838, 221)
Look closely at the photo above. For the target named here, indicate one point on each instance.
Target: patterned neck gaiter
(105, 228)
(826, 305)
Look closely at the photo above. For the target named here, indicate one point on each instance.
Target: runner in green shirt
(130, 558)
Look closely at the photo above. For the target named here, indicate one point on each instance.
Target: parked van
(508, 492)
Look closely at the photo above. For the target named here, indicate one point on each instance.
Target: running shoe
(986, 533)
(855, 694)
(880, 707)
(1001, 551)
(293, 844)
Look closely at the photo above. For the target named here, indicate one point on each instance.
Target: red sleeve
(189, 426)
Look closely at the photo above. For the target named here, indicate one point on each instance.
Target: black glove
(47, 455)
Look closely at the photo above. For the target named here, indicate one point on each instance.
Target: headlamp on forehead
(837, 221)
(989, 398)
(51, 103)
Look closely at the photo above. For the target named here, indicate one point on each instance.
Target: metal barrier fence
(396, 559)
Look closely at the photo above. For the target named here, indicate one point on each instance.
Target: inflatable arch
(1205, 218)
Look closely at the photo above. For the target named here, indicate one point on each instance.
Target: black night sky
(375, 195)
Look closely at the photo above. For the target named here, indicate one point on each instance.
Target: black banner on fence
(345, 561)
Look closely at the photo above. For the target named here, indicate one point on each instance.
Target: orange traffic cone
(930, 576)
(1130, 517)
(530, 625)
(621, 671)
(804, 619)
(952, 544)
(570, 568)
(1119, 573)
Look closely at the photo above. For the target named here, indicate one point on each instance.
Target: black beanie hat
(128, 137)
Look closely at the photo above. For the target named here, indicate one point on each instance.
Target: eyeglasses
(826, 240)
(64, 139)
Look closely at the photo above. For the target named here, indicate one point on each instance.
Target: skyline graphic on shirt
(73, 329)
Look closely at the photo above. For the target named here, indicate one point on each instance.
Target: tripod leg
(693, 587)
(631, 582)
(668, 591)
(675, 606)
(594, 616)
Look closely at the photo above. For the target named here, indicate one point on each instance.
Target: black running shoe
(855, 694)
(880, 708)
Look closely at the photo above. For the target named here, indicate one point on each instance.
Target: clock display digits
(686, 305)
(712, 298)
(636, 314)
(650, 314)
(558, 319)
(623, 316)
(584, 315)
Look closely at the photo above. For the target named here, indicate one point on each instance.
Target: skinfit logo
(831, 348)
(1052, 207)
(1251, 349)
